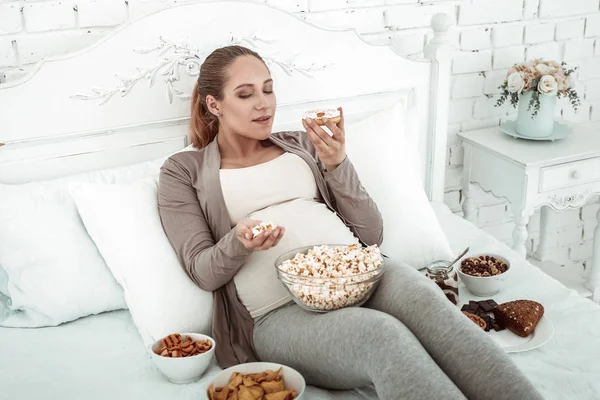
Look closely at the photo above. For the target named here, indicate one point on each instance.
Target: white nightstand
(562, 174)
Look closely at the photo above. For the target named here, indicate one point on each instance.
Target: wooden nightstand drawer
(569, 174)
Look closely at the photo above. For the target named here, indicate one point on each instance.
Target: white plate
(561, 131)
(512, 343)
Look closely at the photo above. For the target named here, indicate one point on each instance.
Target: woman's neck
(240, 152)
(233, 147)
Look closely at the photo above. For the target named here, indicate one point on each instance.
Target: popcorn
(328, 278)
(263, 226)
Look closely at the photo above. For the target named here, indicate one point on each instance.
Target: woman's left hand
(330, 149)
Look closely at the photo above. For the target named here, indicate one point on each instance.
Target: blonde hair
(204, 126)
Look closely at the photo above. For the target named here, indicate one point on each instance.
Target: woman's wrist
(331, 167)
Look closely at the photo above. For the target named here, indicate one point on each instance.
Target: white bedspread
(101, 357)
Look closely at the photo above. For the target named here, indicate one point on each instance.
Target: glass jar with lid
(445, 277)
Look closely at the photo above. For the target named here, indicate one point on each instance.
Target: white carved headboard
(126, 98)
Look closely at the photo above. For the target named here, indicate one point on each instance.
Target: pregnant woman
(408, 340)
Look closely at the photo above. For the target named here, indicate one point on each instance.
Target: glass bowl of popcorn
(324, 278)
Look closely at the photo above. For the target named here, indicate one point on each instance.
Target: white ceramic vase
(542, 124)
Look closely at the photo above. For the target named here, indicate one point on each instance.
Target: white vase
(542, 124)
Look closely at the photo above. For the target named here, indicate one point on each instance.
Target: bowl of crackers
(257, 381)
(324, 278)
(183, 357)
(483, 274)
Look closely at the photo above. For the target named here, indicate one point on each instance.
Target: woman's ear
(213, 105)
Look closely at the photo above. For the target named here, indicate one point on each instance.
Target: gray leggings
(408, 341)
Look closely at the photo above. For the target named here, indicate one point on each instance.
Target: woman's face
(248, 105)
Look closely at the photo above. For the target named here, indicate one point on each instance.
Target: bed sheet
(102, 356)
(568, 366)
(97, 358)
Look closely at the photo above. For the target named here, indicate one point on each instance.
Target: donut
(331, 114)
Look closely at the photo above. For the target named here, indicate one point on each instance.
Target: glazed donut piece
(331, 114)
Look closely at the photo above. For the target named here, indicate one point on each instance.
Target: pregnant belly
(307, 223)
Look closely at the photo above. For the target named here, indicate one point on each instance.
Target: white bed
(56, 122)
(102, 357)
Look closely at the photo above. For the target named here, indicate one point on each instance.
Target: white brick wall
(595, 113)
(485, 12)
(581, 251)
(467, 85)
(473, 61)
(539, 33)
(570, 235)
(589, 212)
(460, 110)
(588, 229)
(592, 25)
(455, 155)
(563, 8)
(485, 108)
(570, 29)
(506, 57)
(10, 18)
(507, 35)
(590, 69)
(491, 35)
(404, 17)
(475, 39)
(452, 199)
(409, 43)
(580, 116)
(8, 55)
(547, 51)
(473, 124)
(578, 49)
(592, 90)
(47, 16)
(530, 10)
(493, 214)
(493, 80)
(567, 218)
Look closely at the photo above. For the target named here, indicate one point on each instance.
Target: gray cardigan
(196, 222)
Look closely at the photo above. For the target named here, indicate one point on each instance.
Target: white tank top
(284, 192)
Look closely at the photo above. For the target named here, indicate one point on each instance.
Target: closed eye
(246, 96)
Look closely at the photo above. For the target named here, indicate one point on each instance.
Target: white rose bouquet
(540, 77)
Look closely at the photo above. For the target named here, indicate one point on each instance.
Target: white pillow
(387, 166)
(55, 273)
(124, 222)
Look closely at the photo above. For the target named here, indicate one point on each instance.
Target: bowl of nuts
(183, 357)
(329, 277)
(483, 274)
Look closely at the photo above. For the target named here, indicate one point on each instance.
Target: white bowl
(292, 378)
(484, 286)
(182, 370)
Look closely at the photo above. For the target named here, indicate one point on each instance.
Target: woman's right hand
(263, 241)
